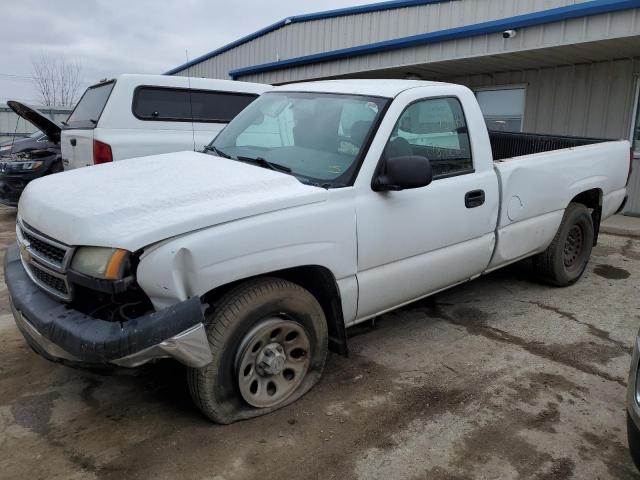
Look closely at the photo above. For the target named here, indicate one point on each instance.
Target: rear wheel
(566, 259)
(269, 342)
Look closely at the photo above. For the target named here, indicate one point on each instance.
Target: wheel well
(592, 199)
(320, 282)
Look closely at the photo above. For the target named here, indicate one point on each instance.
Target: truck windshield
(89, 108)
(319, 138)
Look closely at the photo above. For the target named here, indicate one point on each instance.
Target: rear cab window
(184, 105)
(89, 109)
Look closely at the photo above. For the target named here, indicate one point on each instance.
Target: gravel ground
(499, 378)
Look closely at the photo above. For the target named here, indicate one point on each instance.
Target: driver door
(415, 242)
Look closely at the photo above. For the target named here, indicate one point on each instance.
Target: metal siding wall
(575, 31)
(593, 100)
(297, 39)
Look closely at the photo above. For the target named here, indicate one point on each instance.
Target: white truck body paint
(137, 202)
(215, 221)
(129, 136)
(544, 183)
(315, 234)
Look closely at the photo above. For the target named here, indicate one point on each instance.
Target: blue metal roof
(372, 7)
(585, 9)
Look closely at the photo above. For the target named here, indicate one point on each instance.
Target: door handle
(72, 142)
(474, 198)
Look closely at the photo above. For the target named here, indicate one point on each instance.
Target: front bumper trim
(43, 342)
(190, 347)
(60, 333)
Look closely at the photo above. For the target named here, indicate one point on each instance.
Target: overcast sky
(109, 37)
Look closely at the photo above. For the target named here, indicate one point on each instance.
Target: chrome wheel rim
(272, 361)
(573, 246)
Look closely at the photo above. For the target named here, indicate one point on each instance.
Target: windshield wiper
(265, 163)
(220, 153)
(325, 185)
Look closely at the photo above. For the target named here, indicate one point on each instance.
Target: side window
(182, 105)
(435, 129)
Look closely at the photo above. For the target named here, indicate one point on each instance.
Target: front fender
(196, 263)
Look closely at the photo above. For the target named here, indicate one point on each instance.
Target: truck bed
(544, 175)
(508, 145)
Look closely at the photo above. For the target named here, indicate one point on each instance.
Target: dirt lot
(499, 378)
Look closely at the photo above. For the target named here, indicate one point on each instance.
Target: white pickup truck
(320, 206)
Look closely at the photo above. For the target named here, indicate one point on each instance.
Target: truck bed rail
(509, 145)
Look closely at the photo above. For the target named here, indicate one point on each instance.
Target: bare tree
(57, 81)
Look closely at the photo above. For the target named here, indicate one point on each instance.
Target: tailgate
(77, 148)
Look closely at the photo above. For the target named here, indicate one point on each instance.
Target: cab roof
(375, 87)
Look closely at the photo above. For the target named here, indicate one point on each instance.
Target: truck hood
(136, 202)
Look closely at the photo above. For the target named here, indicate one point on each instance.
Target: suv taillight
(101, 153)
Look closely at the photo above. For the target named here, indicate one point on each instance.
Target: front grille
(44, 249)
(45, 260)
(45, 278)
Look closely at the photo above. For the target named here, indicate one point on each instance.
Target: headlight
(21, 166)
(101, 262)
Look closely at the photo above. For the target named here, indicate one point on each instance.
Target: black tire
(633, 437)
(214, 388)
(566, 259)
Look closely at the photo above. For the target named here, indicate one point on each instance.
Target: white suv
(139, 115)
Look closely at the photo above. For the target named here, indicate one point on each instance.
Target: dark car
(31, 158)
(35, 140)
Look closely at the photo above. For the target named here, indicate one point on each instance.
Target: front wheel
(565, 260)
(269, 343)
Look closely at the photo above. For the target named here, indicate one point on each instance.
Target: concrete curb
(622, 225)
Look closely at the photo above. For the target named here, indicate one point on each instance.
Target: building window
(503, 108)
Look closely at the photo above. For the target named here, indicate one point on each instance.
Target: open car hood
(50, 127)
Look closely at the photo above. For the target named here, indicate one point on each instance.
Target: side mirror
(403, 173)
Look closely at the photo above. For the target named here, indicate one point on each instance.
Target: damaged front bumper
(60, 333)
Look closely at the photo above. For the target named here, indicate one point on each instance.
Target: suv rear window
(90, 107)
(183, 105)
